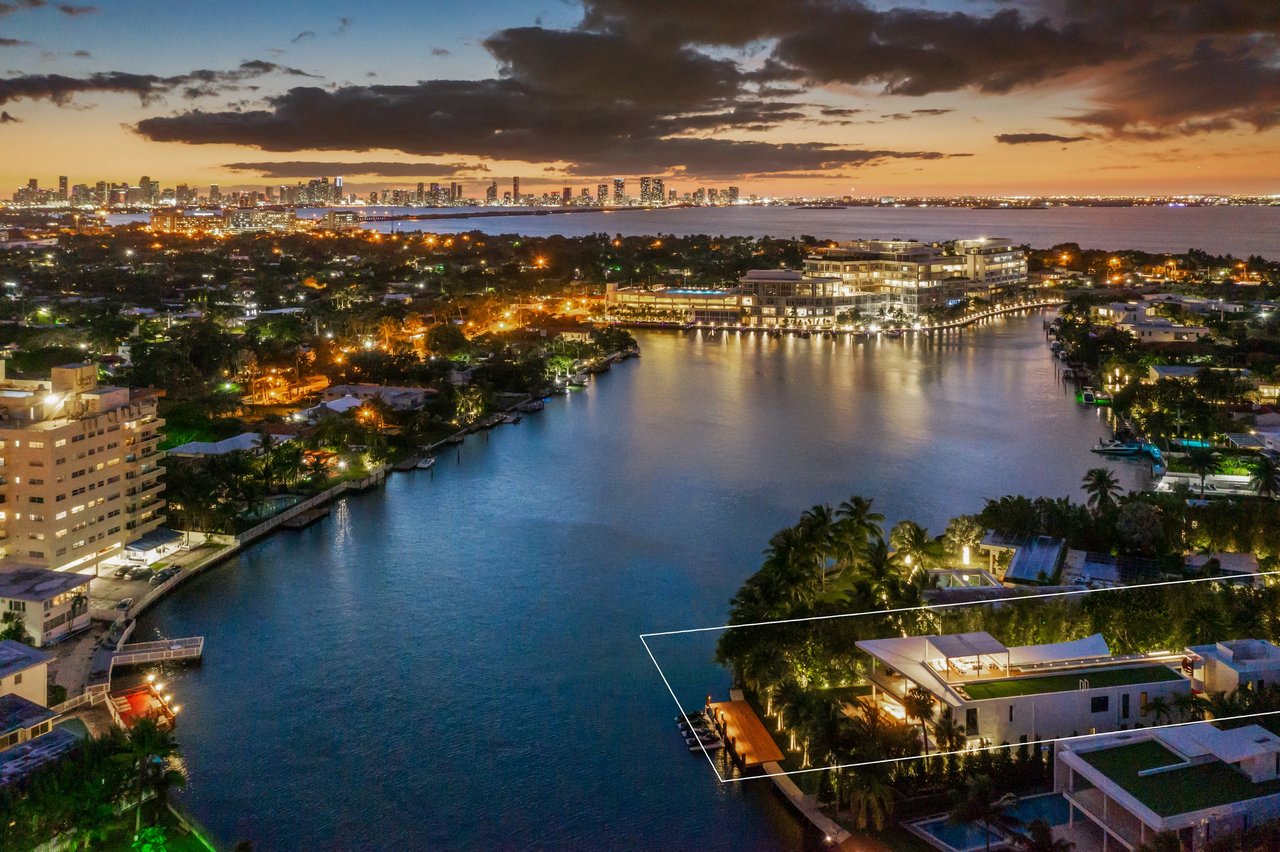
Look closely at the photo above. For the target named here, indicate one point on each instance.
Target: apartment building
(79, 469)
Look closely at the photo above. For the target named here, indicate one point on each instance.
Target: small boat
(427, 463)
(532, 406)
(714, 745)
(512, 418)
(579, 380)
(893, 332)
(1117, 448)
(692, 717)
(1089, 396)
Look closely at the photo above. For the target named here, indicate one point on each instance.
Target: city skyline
(796, 98)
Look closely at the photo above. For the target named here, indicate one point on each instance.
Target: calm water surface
(1241, 231)
(452, 661)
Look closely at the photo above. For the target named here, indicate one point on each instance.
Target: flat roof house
(1002, 694)
(52, 604)
(1226, 666)
(1195, 780)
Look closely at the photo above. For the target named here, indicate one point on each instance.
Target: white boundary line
(1070, 593)
(683, 714)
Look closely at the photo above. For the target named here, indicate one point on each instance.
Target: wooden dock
(744, 733)
(307, 518)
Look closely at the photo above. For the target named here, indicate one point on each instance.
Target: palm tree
(977, 803)
(871, 799)
(1159, 709)
(1202, 461)
(1102, 487)
(1188, 706)
(1039, 838)
(911, 541)
(948, 731)
(1266, 470)
(1165, 841)
(963, 531)
(918, 704)
(816, 525)
(147, 750)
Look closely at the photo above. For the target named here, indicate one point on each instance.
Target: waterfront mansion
(1034, 692)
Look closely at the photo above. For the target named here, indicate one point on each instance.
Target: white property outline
(955, 605)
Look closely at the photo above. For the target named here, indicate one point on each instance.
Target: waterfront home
(1226, 666)
(1105, 571)
(1032, 559)
(1237, 566)
(1156, 372)
(50, 604)
(399, 398)
(1195, 780)
(245, 442)
(1001, 694)
(24, 671)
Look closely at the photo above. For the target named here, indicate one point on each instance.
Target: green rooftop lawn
(979, 690)
(1177, 791)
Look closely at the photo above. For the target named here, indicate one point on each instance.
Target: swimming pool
(1050, 807)
(964, 837)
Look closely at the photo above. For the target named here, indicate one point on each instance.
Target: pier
(152, 652)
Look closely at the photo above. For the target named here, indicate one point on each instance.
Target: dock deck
(744, 731)
(150, 652)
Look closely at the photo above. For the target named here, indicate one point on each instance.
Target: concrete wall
(1063, 714)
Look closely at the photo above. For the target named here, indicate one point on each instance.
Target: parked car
(122, 572)
(140, 573)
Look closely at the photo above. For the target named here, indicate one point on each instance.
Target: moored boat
(427, 463)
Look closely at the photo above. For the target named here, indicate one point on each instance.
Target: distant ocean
(1241, 231)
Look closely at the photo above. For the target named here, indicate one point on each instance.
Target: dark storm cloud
(61, 89)
(75, 11)
(13, 42)
(602, 67)
(1032, 138)
(1120, 47)
(1201, 91)
(311, 168)
(506, 119)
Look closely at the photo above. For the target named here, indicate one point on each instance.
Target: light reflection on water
(452, 661)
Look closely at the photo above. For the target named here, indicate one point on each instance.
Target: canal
(453, 662)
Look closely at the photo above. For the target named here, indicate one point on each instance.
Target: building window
(17, 606)
(17, 679)
(1124, 706)
(971, 721)
(1100, 704)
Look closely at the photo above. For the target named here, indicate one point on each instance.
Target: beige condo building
(79, 469)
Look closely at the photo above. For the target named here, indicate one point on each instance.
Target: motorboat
(714, 745)
(427, 463)
(1117, 448)
(1089, 396)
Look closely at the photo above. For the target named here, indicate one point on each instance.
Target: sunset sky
(777, 96)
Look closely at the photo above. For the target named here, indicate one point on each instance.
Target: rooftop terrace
(1177, 791)
(1098, 678)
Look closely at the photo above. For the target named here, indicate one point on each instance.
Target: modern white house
(1034, 692)
(1195, 780)
(1226, 666)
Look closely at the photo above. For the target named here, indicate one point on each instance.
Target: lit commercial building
(681, 305)
(81, 469)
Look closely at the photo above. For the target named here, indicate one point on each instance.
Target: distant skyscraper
(491, 194)
(515, 190)
(453, 192)
(713, 195)
(62, 187)
(215, 194)
(619, 191)
(731, 195)
(434, 195)
(671, 196)
(566, 195)
(33, 184)
(602, 194)
(646, 190)
(659, 192)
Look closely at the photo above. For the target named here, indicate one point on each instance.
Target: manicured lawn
(980, 690)
(1180, 790)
